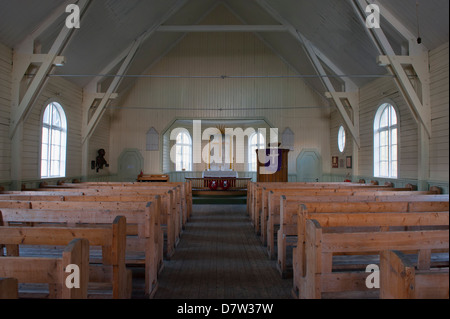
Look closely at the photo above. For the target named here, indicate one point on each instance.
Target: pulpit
(272, 165)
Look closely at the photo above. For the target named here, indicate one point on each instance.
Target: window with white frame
(386, 142)
(256, 141)
(54, 142)
(183, 152)
(341, 139)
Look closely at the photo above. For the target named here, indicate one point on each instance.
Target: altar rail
(202, 184)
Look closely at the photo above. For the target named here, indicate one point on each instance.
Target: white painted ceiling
(110, 26)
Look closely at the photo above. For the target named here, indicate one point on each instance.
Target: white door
(309, 166)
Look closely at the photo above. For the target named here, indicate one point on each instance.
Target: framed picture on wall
(349, 163)
(335, 162)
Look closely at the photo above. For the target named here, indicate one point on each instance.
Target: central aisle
(220, 257)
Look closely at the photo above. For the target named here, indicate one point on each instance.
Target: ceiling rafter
(126, 57)
(317, 58)
(349, 84)
(222, 28)
(24, 58)
(418, 100)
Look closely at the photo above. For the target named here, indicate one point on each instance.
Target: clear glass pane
(45, 136)
(384, 120)
(44, 168)
(63, 140)
(56, 120)
(254, 140)
(44, 152)
(394, 136)
(384, 169)
(46, 119)
(55, 153)
(384, 155)
(341, 139)
(394, 150)
(62, 168)
(384, 138)
(262, 142)
(394, 169)
(393, 115)
(56, 137)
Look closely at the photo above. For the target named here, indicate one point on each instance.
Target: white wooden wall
(335, 123)
(5, 109)
(70, 97)
(156, 102)
(384, 89)
(439, 150)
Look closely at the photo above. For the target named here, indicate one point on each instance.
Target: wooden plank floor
(220, 257)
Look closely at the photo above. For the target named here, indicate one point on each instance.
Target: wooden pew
(179, 204)
(288, 206)
(318, 276)
(271, 198)
(167, 206)
(399, 279)
(52, 270)
(144, 236)
(254, 189)
(288, 234)
(383, 213)
(171, 209)
(271, 202)
(9, 288)
(257, 202)
(148, 178)
(185, 189)
(112, 240)
(105, 200)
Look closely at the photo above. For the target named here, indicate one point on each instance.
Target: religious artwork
(349, 163)
(288, 139)
(152, 140)
(220, 156)
(335, 162)
(100, 160)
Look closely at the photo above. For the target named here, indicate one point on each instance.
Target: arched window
(386, 142)
(341, 139)
(183, 152)
(256, 141)
(54, 142)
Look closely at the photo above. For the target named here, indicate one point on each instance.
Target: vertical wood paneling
(5, 109)
(217, 54)
(439, 148)
(335, 123)
(70, 97)
(371, 97)
(100, 140)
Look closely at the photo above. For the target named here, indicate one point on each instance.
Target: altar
(219, 174)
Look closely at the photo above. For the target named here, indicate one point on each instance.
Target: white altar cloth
(220, 174)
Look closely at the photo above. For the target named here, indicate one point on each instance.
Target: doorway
(309, 166)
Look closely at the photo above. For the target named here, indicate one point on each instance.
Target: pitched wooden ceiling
(332, 26)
